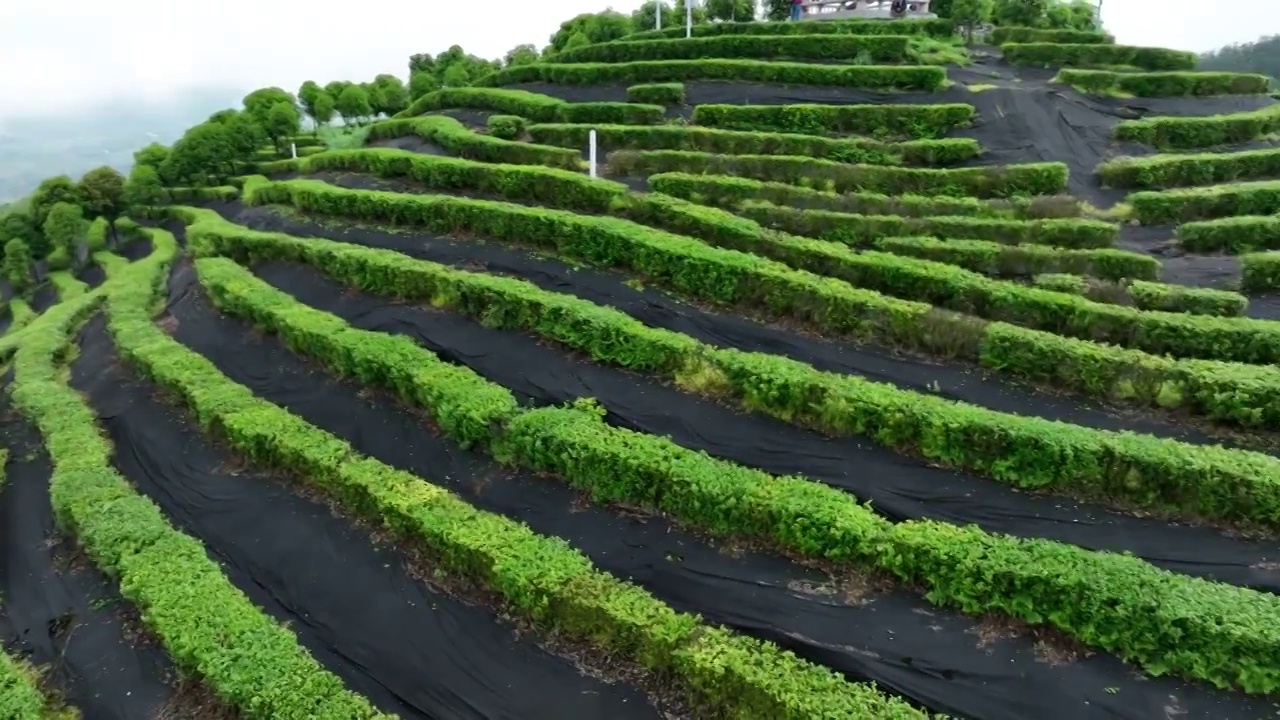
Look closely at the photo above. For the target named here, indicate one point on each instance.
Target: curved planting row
(1164, 84)
(1192, 133)
(1003, 260)
(457, 138)
(542, 579)
(1014, 34)
(712, 140)
(1095, 54)
(752, 282)
(209, 627)
(1156, 207)
(1115, 601)
(843, 47)
(534, 106)
(1148, 295)
(913, 121)
(794, 73)
(1158, 172)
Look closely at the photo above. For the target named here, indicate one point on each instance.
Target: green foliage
(1163, 84)
(1097, 55)
(519, 55)
(19, 225)
(656, 94)
(1230, 234)
(536, 107)
(757, 282)
(1260, 272)
(323, 109)
(1147, 295)
(884, 120)
(154, 155)
(353, 105)
(594, 28)
(1205, 203)
(787, 73)
(20, 695)
(680, 137)
(1004, 260)
(421, 83)
(1261, 56)
(1182, 170)
(204, 155)
(730, 10)
(65, 228)
(1112, 600)
(50, 192)
(388, 95)
(1190, 133)
(17, 265)
(1015, 34)
(935, 28)
(969, 14)
(643, 19)
(453, 136)
(102, 195)
(879, 48)
(980, 182)
(1024, 13)
(506, 127)
(452, 68)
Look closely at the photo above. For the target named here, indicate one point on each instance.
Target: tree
(1029, 13)
(102, 194)
(597, 27)
(422, 62)
(1261, 56)
(65, 228)
(520, 55)
(353, 104)
(49, 193)
(388, 95)
(336, 87)
(577, 40)
(738, 10)
(153, 155)
(322, 109)
(777, 9)
(1074, 15)
(282, 123)
(307, 95)
(456, 76)
(17, 264)
(258, 104)
(18, 225)
(421, 83)
(204, 156)
(968, 14)
(144, 188)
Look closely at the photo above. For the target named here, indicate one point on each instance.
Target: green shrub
(209, 628)
(454, 137)
(1014, 34)
(1229, 392)
(20, 695)
(1002, 260)
(666, 94)
(1155, 207)
(1170, 171)
(1061, 282)
(1233, 235)
(891, 120)
(223, 193)
(939, 28)
(878, 48)
(984, 182)
(1189, 133)
(1094, 55)
(790, 73)
(534, 107)
(506, 127)
(544, 580)
(1164, 84)
(731, 192)
(1260, 272)
(682, 137)
(1148, 295)
(1131, 613)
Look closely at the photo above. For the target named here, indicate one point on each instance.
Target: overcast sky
(64, 54)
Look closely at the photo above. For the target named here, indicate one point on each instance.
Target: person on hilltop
(796, 9)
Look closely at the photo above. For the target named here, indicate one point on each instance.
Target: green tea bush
(982, 182)
(1190, 133)
(1230, 235)
(936, 27)
(731, 142)
(736, 273)
(1260, 272)
(1155, 207)
(889, 120)
(1015, 34)
(1087, 55)
(1164, 84)
(666, 94)
(1148, 295)
(1159, 172)
(1118, 602)
(456, 138)
(878, 48)
(534, 107)
(506, 127)
(875, 77)
(1003, 260)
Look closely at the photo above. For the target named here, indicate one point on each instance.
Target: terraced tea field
(881, 390)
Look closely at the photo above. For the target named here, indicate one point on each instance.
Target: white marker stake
(688, 18)
(293, 146)
(657, 17)
(591, 151)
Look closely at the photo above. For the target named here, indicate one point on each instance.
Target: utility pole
(688, 18)
(657, 14)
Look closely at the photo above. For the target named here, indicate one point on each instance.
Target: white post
(688, 18)
(591, 151)
(294, 147)
(657, 14)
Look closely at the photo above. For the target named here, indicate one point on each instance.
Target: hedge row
(1225, 634)
(456, 138)
(210, 629)
(786, 73)
(982, 182)
(938, 28)
(218, 193)
(67, 285)
(1164, 84)
(1260, 272)
(543, 579)
(1228, 392)
(861, 230)
(1002, 260)
(731, 192)
(1015, 34)
(1230, 234)
(1154, 207)
(732, 142)
(1189, 133)
(1242, 340)
(534, 106)
(1157, 172)
(1148, 295)
(664, 94)
(889, 120)
(506, 127)
(842, 48)
(1086, 55)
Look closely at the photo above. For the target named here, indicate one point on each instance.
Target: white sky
(67, 54)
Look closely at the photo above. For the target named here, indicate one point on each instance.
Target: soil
(92, 275)
(949, 662)
(44, 298)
